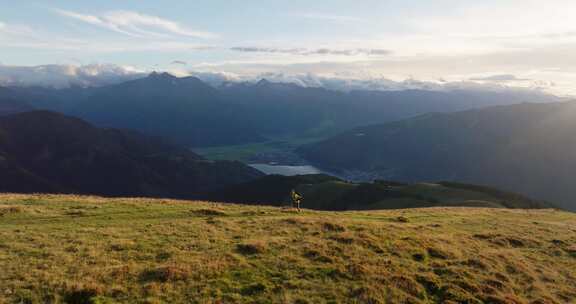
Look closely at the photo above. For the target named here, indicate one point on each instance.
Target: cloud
(499, 78)
(320, 51)
(15, 30)
(329, 17)
(218, 78)
(538, 23)
(63, 76)
(23, 36)
(347, 83)
(94, 75)
(351, 83)
(135, 24)
(180, 62)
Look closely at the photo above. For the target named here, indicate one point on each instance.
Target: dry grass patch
(208, 212)
(408, 285)
(10, 209)
(402, 219)
(571, 250)
(168, 251)
(297, 221)
(165, 274)
(252, 248)
(346, 238)
(317, 256)
(121, 245)
(83, 293)
(333, 227)
(442, 252)
(508, 241)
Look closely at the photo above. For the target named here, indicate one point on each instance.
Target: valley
(290, 152)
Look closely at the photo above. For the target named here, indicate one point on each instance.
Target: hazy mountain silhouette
(184, 109)
(11, 104)
(528, 148)
(193, 113)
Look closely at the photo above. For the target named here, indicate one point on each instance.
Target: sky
(526, 43)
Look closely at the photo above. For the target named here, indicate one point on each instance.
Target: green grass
(322, 195)
(246, 152)
(70, 249)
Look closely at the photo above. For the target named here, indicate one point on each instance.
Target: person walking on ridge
(296, 199)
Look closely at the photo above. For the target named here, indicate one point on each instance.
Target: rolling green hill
(323, 192)
(70, 249)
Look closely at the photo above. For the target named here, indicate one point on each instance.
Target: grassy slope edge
(71, 249)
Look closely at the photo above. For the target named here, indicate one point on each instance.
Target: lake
(286, 170)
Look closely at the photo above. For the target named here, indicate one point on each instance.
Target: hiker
(296, 199)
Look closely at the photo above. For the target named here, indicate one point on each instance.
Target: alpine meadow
(295, 152)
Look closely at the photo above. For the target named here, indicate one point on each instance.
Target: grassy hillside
(324, 192)
(275, 150)
(69, 249)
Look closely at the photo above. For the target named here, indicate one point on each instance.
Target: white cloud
(136, 24)
(23, 36)
(360, 82)
(320, 51)
(490, 26)
(10, 30)
(62, 76)
(499, 78)
(353, 81)
(328, 17)
(513, 18)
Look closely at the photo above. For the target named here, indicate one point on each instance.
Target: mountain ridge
(194, 113)
(63, 154)
(523, 148)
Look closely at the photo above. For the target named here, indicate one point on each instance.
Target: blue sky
(511, 42)
(288, 24)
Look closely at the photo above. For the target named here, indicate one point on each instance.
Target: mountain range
(527, 148)
(195, 114)
(524, 148)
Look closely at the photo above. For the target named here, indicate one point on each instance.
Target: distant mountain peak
(194, 79)
(264, 83)
(165, 78)
(162, 75)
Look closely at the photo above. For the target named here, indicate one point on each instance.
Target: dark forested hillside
(48, 152)
(10, 103)
(528, 148)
